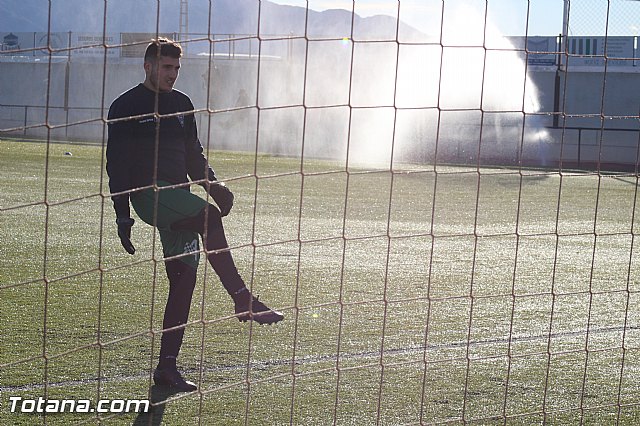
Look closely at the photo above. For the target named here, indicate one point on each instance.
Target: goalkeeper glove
(222, 196)
(124, 232)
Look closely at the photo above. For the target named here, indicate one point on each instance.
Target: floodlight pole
(562, 58)
(564, 40)
(184, 23)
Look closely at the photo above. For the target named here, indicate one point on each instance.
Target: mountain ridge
(223, 17)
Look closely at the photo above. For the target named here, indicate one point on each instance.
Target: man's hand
(124, 232)
(222, 196)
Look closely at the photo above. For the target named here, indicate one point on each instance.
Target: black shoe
(173, 379)
(249, 308)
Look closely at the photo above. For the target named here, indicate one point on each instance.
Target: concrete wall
(78, 103)
(599, 120)
(74, 93)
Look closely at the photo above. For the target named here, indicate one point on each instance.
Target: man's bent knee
(207, 219)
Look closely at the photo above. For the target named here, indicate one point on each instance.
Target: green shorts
(173, 205)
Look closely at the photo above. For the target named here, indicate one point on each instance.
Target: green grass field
(426, 295)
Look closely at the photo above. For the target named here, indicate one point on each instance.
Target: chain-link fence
(596, 32)
(602, 17)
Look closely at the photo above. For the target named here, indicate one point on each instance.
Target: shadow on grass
(159, 396)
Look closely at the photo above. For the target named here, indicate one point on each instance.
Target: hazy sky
(511, 17)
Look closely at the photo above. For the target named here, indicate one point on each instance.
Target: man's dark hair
(166, 47)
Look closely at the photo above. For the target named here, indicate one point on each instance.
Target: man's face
(162, 73)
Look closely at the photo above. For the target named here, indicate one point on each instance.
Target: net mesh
(443, 247)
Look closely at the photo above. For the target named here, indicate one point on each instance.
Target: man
(152, 150)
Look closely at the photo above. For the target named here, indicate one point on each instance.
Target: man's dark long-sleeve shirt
(139, 139)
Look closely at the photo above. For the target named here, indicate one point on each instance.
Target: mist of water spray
(472, 82)
(379, 102)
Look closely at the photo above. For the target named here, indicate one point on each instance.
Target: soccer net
(439, 195)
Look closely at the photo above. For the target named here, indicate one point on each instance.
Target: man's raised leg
(209, 225)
